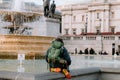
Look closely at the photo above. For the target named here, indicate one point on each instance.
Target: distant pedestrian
(92, 51)
(117, 52)
(86, 51)
(80, 52)
(75, 50)
(101, 52)
(105, 53)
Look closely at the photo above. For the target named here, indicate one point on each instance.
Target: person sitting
(58, 57)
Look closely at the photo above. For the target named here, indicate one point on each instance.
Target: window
(82, 31)
(98, 32)
(67, 31)
(112, 30)
(112, 14)
(74, 31)
(98, 15)
(74, 18)
(83, 17)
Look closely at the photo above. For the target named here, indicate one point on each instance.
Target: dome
(57, 12)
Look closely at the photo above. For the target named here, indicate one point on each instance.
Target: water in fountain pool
(40, 66)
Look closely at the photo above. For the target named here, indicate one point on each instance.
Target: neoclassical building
(94, 25)
(94, 17)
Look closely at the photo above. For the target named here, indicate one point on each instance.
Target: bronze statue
(52, 9)
(46, 4)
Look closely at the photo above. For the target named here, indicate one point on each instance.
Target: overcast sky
(60, 2)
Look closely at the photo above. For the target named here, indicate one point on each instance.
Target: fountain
(25, 31)
(27, 34)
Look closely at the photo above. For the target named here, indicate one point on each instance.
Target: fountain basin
(78, 74)
(12, 45)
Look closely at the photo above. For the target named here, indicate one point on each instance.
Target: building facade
(94, 17)
(93, 25)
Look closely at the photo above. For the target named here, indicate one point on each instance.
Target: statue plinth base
(48, 27)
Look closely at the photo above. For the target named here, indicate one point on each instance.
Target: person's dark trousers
(46, 10)
(113, 51)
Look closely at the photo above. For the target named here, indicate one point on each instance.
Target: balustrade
(92, 37)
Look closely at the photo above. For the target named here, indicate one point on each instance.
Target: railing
(92, 37)
(97, 42)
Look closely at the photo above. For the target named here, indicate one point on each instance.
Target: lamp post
(101, 36)
(113, 48)
(86, 24)
(101, 43)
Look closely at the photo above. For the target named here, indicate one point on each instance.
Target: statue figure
(52, 9)
(46, 4)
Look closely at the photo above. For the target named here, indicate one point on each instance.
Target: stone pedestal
(32, 42)
(47, 27)
(41, 27)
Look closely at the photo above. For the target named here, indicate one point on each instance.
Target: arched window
(74, 31)
(98, 15)
(83, 17)
(67, 31)
(112, 14)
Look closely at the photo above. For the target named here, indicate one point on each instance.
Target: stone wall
(97, 42)
(78, 74)
(110, 74)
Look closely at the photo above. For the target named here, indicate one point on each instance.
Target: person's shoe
(55, 70)
(66, 73)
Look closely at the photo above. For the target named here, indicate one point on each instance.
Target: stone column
(89, 21)
(107, 24)
(71, 22)
(102, 22)
(93, 22)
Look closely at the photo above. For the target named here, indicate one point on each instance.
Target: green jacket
(63, 55)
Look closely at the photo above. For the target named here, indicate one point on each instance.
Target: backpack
(55, 50)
